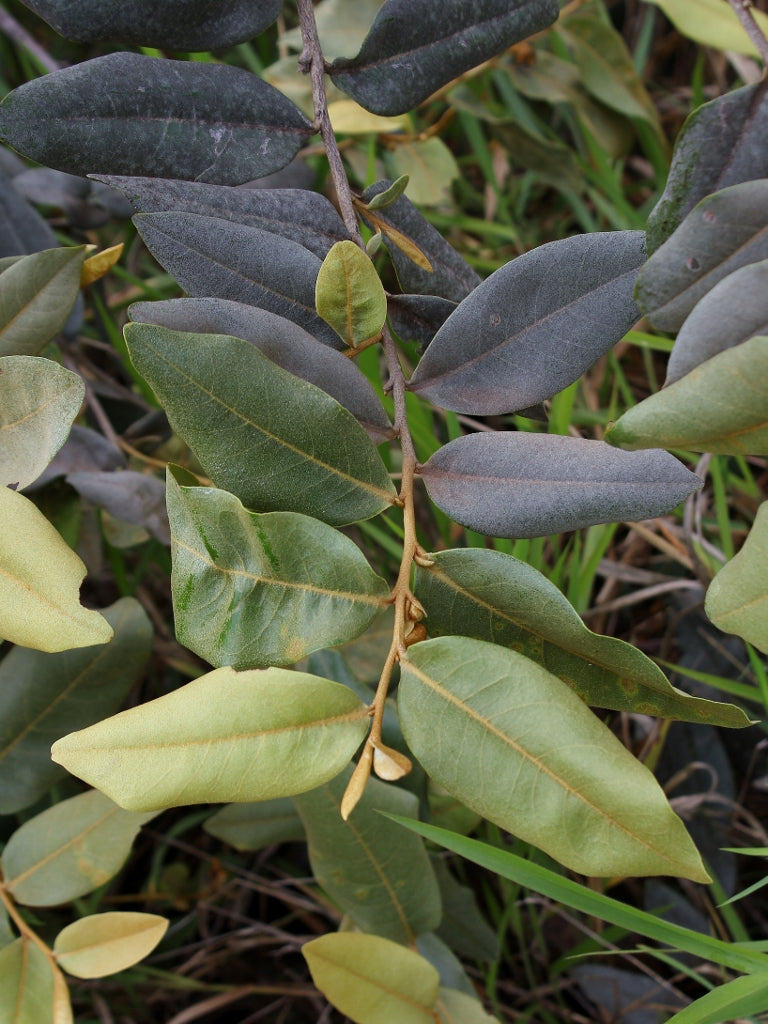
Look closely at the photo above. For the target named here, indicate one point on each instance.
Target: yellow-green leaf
(32, 989)
(227, 736)
(711, 23)
(103, 944)
(40, 579)
(455, 1007)
(431, 169)
(373, 980)
(349, 118)
(737, 599)
(349, 295)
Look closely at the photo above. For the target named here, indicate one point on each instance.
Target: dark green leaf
(734, 311)
(492, 596)
(418, 317)
(415, 47)
(282, 341)
(170, 25)
(386, 887)
(463, 927)
(213, 257)
(130, 114)
(36, 294)
(304, 217)
(724, 232)
(22, 229)
(252, 826)
(44, 696)
(512, 343)
(257, 590)
(277, 442)
(529, 485)
(451, 276)
(720, 144)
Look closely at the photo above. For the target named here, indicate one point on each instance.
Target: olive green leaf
(373, 980)
(36, 295)
(32, 989)
(737, 599)
(40, 579)
(720, 406)
(39, 400)
(259, 823)
(102, 944)
(292, 732)
(254, 590)
(278, 443)
(69, 850)
(349, 295)
(552, 773)
(489, 595)
(385, 885)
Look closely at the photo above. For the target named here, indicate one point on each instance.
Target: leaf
(39, 399)
(301, 216)
(69, 850)
(276, 442)
(252, 826)
(125, 113)
(209, 256)
(430, 167)
(734, 311)
(349, 295)
(459, 1008)
(722, 233)
(389, 195)
(418, 317)
(257, 590)
(349, 118)
(32, 990)
(514, 484)
(227, 736)
(22, 229)
(489, 595)
(551, 772)
(719, 145)
(45, 696)
(738, 998)
(463, 927)
(413, 49)
(512, 342)
(174, 25)
(283, 342)
(341, 24)
(711, 23)
(100, 263)
(451, 277)
(719, 406)
(102, 944)
(131, 497)
(84, 449)
(385, 885)
(373, 980)
(39, 604)
(36, 296)
(737, 598)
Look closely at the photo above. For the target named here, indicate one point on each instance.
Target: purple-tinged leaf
(132, 497)
(530, 485)
(534, 326)
(22, 229)
(418, 317)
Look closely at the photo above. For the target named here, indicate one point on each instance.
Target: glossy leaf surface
(349, 295)
(255, 590)
(304, 217)
(44, 696)
(101, 944)
(252, 826)
(69, 850)
(282, 341)
(720, 406)
(552, 772)
(36, 296)
(172, 25)
(534, 326)
(210, 256)
(125, 113)
(414, 48)
(32, 991)
(373, 980)
(40, 607)
(489, 595)
(722, 233)
(278, 443)
(294, 731)
(719, 145)
(39, 399)
(515, 484)
(737, 599)
(385, 885)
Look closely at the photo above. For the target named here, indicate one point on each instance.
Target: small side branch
(743, 10)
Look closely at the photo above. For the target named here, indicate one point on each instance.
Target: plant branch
(15, 31)
(743, 11)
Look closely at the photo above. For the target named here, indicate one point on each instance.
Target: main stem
(407, 609)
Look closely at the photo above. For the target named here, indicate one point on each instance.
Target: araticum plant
(256, 372)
